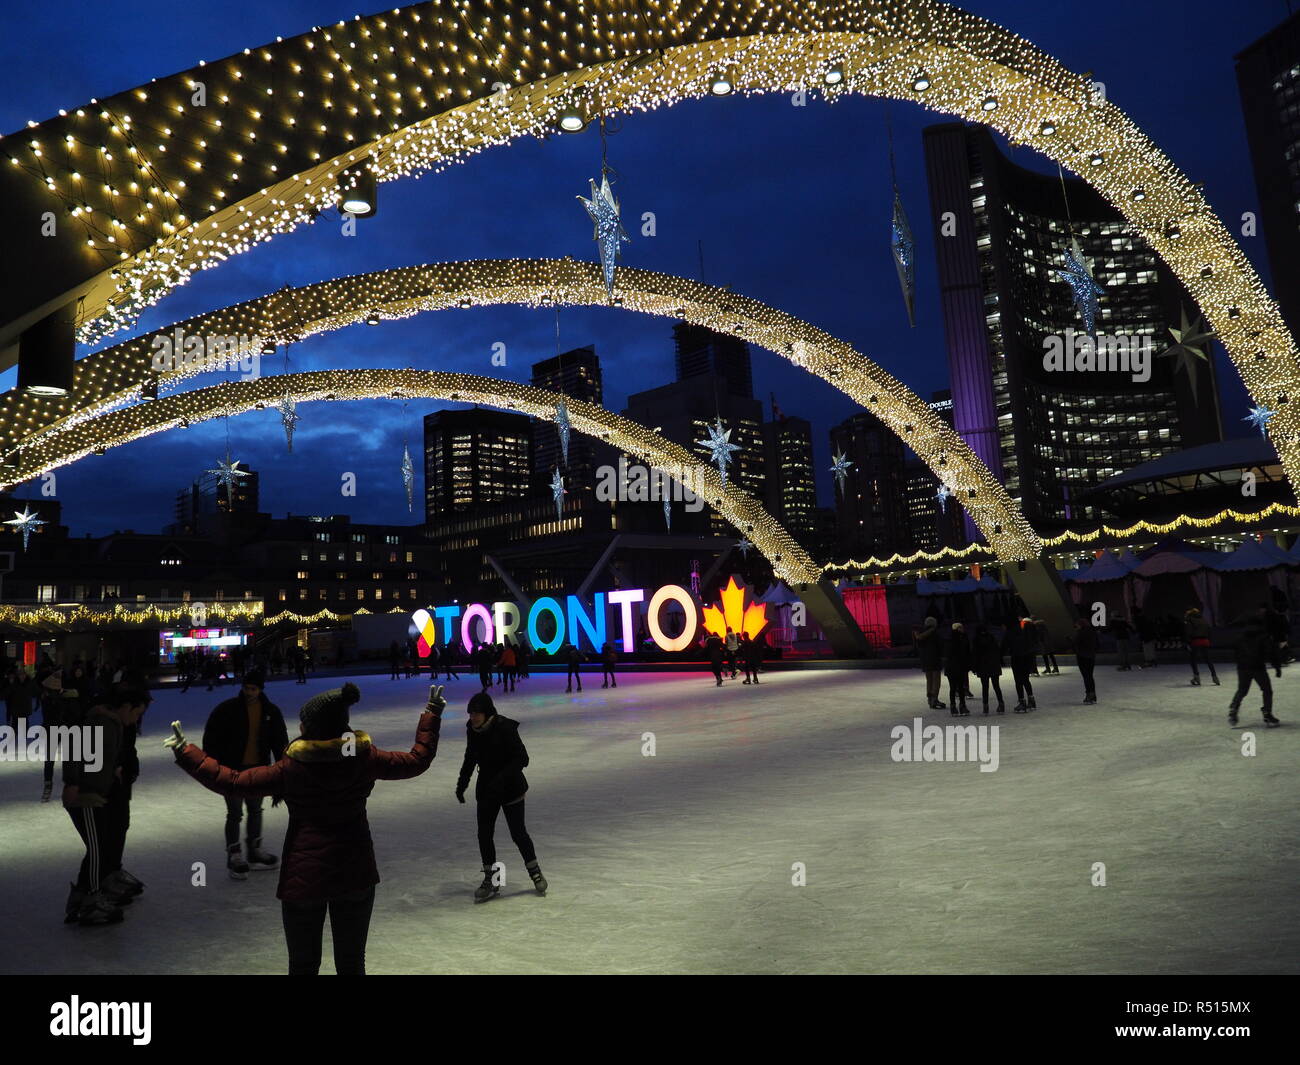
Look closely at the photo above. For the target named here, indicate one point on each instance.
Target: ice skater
(930, 653)
(1085, 653)
(714, 649)
(608, 658)
(574, 658)
(446, 661)
(957, 669)
(245, 732)
(751, 656)
(506, 663)
(1196, 633)
(733, 648)
(1018, 645)
(1122, 631)
(986, 658)
(117, 882)
(1041, 639)
(493, 745)
(325, 777)
(1253, 651)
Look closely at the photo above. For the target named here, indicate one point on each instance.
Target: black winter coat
(927, 648)
(1018, 641)
(958, 664)
(1254, 647)
(986, 656)
(226, 733)
(500, 756)
(1085, 642)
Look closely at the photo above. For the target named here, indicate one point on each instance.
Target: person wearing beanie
(493, 745)
(324, 777)
(243, 732)
(930, 653)
(1018, 645)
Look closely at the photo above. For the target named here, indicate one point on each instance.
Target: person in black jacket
(1044, 648)
(1253, 653)
(574, 658)
(751, 656)
(715, 650)
(117, 882)
(493, 744)
(1279, 636)
(1085, 651)
(1018, 645)
(986, 659)
(244, 732)
(957, 669)
(1122, 631)
(931, 656)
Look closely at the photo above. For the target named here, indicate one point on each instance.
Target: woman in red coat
(325, 777)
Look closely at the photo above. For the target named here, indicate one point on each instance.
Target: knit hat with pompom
(325, 716)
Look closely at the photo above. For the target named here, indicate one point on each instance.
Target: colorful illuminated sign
(549, 623)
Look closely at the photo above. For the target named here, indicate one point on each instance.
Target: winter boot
(539, 881)
(98, 909)
(487, 889)
(1232, 716)
(235, 864)
(258, 858)
(1270, 720)
(47, 791)
(72, 911)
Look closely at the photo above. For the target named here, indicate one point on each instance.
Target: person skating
(1279, 636)
(446, 661)
(930, 653)
(751, 657)
(1018, 645)
(608, 658)
(299, 657)
(494, 747)
(986, 659)
(1146, 630)
(1121, 630)
(1196, 633)
(117, 881)
(394, 661)
(506, 664)
(246, 732)
(1043, 646)
(733, 647)
(574, 658)
(1252, 652)
(86, 787)
(957, 669)
(1085, 653)
(483, 659)
(59, 707)
(324, 777)
(716, 652)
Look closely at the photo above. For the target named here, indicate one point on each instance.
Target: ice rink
(682, 862)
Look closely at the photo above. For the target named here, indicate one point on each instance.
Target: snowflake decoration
(226, 473)
(1259, 417)
(840, 468)
(558, 492)
(25, 523)
(719, 447)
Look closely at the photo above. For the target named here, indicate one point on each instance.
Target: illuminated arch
(161, 187)
(789, 561)
(114, 375)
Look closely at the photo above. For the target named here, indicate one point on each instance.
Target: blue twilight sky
(792, 206)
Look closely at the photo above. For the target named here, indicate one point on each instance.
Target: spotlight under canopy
(572, 118)
(46, 352)
(357, 187)
(721, 84)
(834, 74)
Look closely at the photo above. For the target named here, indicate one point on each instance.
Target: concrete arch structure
(153, 184)
(31, 429)
(789, 561)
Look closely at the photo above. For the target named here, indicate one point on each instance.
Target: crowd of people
(1263, 642)
(498, 665)
(213, 668)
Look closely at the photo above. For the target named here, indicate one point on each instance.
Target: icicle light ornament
(30, 429)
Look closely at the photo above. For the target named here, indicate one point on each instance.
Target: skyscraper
(872, 504)
(701, 352)
(1268, 77)
(575, 374)
(207, 495)
(935, 520)
(791, 489)
(473, 457)
(1045, 422)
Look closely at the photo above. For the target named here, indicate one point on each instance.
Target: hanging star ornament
(1191, 342)
(668, 512)
(288, 418)
(904, 249)
(558, 493)
(25, 523)
(603, 209)
(1078, 275)
(563, 424)
(744, 547)
(840, 468)
(1259, 417)
(943, 495)
(226, 474)
(408, 474)
(720, 447)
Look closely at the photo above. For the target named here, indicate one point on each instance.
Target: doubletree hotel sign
(549, 624)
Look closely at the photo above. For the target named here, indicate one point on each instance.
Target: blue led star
(603, 209)
(1259, 417)
(558, 493)
(25, 523)
(943, 495)
(720, 447)
(288, 418)
(1078, 275)
(744, 547)
(563, 424)
(840, 468)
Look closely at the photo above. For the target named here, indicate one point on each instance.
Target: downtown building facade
(1053, 432)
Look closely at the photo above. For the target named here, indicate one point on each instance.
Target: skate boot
(1270, 720)
(1019, 708)
(98, 909)
(954, 711)
(539, 881)
(76, 899)
(47, 791)
(964, 712)
(1232, 716)
(258, 858)
(1215, 677)
(122, 883)
(487, 889)
(235, 864)
(986, 706)
(1032, 705)
(1196, 682)
(1002, 708)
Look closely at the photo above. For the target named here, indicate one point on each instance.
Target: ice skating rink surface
(683, 862)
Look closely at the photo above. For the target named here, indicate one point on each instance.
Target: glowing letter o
(550, 606)
(467, 620)
(681, 595)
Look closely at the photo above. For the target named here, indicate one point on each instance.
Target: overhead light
(720, 84)
(1096, 159)
(921, 82)
(1173, 231)
(834, 74)
(464, 303)
(268, 347)
(46, 352)
(357, 187)
(990, 103)
(372, 318)
(572, 118)
(1139, 194)
(149, 389)
(1234, 312)
(1047, 128)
